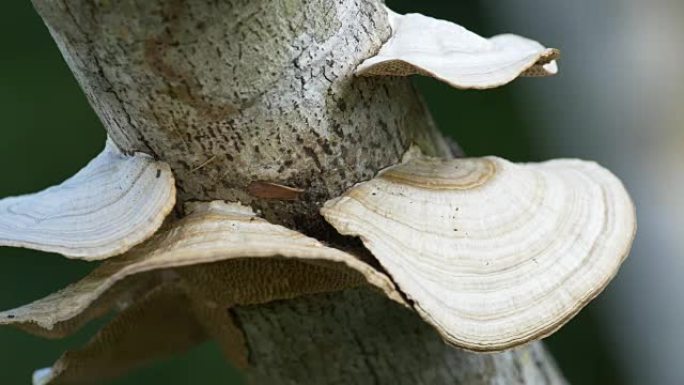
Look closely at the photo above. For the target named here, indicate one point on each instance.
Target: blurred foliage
(49, 132)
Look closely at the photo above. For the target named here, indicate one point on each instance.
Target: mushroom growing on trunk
(493, 254)
(114, 203)
(323, 231)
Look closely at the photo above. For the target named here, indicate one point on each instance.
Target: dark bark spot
(341, 105)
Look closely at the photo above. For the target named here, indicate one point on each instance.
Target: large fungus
(492, 253)
(210, 260)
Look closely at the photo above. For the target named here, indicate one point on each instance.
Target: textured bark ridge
(255, 101)
(236, 93)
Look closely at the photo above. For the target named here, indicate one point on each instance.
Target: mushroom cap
(213, 232)
(114, 203)
(492, 253)
(446, 51)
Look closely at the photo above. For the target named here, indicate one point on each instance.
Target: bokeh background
(617, 100)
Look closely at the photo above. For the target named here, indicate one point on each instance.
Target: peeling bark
(255, 101)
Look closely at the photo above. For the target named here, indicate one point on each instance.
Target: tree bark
(255, 101)
(233, 94)
(359, 337)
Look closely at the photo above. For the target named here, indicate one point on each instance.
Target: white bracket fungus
(111, 205)
(423, 45)
(173, 292)
(213, 232)
(492, 253)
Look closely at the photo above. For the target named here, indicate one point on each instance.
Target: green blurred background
(48, 132)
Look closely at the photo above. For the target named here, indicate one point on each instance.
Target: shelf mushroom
(444, 50)
(212, 232)
(492, 253)
(198, 267)
(114, 203)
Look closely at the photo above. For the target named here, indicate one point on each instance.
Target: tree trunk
(255, 101)
(359, 337)
(233, 94)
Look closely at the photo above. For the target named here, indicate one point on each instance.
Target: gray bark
(359, 337)
(236, 93)
(255, 101)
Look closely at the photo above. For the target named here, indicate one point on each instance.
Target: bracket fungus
(228, 236)
(444, 50)
(111, 205)
(492, 253)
